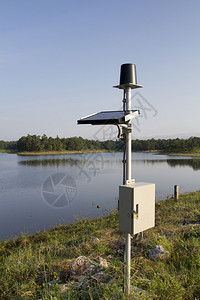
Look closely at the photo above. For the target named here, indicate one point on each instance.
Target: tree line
(170, 145)
(36, 143)
(11, 146)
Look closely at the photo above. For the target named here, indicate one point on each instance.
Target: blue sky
(59, 60)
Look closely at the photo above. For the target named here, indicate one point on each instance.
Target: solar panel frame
(106, 118)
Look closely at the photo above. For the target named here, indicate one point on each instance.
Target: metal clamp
(130, 181)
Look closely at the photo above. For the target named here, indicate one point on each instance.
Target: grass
(8, 151)
(29, 263)
(59, 152)
(37, 153)
(192, 154)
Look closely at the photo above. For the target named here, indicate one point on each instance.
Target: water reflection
(53, 162)
(193, 163)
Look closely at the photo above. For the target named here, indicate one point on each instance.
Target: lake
(39, 192)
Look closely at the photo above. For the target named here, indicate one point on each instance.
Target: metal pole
(124, 150)
(128, 136)
(128, 177)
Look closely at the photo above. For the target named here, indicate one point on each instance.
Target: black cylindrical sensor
(128, 74)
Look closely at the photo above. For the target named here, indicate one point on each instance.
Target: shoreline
(157, 152)
(181, 154)
(60, 152)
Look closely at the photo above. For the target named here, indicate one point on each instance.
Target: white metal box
(136, 207)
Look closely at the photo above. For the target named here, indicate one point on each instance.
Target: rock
(85, 266)
(138, 293)
(94, 240)
(101, 277)
(157, 252)
(83, 280)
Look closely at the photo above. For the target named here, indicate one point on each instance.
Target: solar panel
(109, 117)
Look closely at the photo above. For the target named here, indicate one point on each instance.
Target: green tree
(44, 142)
(58, 144)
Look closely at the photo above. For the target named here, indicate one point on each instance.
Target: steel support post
(128, 177)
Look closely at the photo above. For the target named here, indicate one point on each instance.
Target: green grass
(37, 153)
(176, 276)
(8, 151)
(192, 154)
(60, 152)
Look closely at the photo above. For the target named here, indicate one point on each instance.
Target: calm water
(42, 191)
